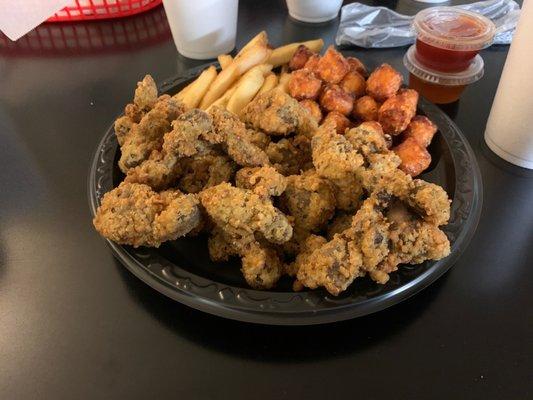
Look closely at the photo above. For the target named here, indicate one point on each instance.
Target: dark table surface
(74, 324)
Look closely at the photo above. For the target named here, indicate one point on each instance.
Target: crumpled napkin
(380, 27)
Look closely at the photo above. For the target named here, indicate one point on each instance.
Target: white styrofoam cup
(314, 10)
(509, 131)
(202, 29)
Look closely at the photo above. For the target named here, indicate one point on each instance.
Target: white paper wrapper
(380, 27)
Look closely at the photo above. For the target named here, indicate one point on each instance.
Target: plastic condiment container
(440, 87)
(449, 38)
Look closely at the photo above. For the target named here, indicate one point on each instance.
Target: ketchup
(448, 38)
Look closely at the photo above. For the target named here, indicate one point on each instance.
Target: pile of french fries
(243, 77)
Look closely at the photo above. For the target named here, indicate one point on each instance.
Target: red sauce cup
(437, 86)
(448, 38)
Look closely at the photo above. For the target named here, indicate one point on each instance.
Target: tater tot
(366, 109)
(383, 82)
(312, 64)
(300, 57)
(354, 84)
(422, 129)
(313, 108)
(334, 98)
(304, 84)
(373, 126)
(332, 66)
(415, 158)
(340, 121)
(395, 114)
(357, 66)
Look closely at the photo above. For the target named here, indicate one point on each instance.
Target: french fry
(283, 84)
(247, 88)
(181, 93)
(271, 81)
(260, 39)
(223, 101)
(199, 87)
(282, 55)
(224, 60)
(255, 55)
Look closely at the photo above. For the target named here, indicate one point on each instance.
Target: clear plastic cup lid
(454, 29)
(472, 74)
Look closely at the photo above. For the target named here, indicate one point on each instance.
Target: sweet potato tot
(334, 98)
(300, 57)
(304, 85)
(312, 64)
(340, 121)
(422, 129)
(415, 158)
(313, 108)
(354, 84)
(395, 114)
(365, 108)
(332, 66)
(357, 66)
(383, 82)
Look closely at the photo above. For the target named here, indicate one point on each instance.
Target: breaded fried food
(415, 158)
(159, 172)
(306, 248)
(383, 82)
(313, 108)
(258, 138)
(278, 114)
(291, 156)
(332, 66)
(312, 64)
(334, 98)
(367, 139)
(339, 120)
(134, 214)
(430, 201)
(261, 266)
(264, 181)
(395, 114)
(300, 57)
(240, 213)
(310, 200)
(145, 93)
(206, 170)
(422, 129)
(353, 83)
(303, 84)
(339, 224)
(147, 135)
(365, 108)
(357, 66)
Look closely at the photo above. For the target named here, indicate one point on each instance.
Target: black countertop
(75, 324)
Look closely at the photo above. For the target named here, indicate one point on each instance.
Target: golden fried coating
(277, 113)
(219, 247)
(340, 121)
(134, 214)
(383, 82)
(357, 66)
(258, 138)
(264, 181)
(311, 106)
(332, 66)
(415, 158)
(159, 171)
(309, 199)
(307, 247)
(240, 213)
(339, 223)
(205, 170)
(348, 193)
(145, 93)
(291, 156)
(312, 64)
(421, 128)
(395, 114)
(300, 57)
(367, 138)
(430, 201)
(334, 98)
(303, 84)
(365, 108)
(123, 127)
(353, 83)
(261, 266)
(147, 135)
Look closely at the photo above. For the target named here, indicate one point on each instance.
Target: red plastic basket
(101, 9)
